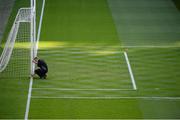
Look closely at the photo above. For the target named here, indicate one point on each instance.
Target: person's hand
(34, 61)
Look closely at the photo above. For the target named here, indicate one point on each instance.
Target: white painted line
(151, 46)
(67, 89)
(40, 24)
(114, 47)
(108, 97)
(81, 52)
(31, 79)
(29, 99)
(130, 71)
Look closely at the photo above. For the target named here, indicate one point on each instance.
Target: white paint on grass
(69, 89)
(108, 97)
(151, 46)
(29, 99)
(130, 71)
(39, 28)
(31, 79)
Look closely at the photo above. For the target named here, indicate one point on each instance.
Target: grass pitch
(88, 74)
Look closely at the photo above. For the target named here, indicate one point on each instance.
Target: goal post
(33, 34)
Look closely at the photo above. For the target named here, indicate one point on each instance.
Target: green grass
(14, 85)
(82, 22)
(84, 109)
(85, 57)
(80, 66)
(80, 43)
(156, 70)
(156, 74)
(103, 109)
(14, 80)
(144, 22)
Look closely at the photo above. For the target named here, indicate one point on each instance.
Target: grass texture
(83, 42)
(87, 55)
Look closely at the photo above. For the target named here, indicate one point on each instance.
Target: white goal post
(33, 34)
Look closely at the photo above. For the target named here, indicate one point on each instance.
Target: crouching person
(42, 69)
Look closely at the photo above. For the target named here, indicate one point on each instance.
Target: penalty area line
(31, 78)
(116, 97)
(130, 71)
(150, 46)
(71, 89)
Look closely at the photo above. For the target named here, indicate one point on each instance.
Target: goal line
(34, 49)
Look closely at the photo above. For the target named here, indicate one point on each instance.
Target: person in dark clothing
(42, 68)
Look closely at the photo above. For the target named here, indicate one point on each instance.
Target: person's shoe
(45, 76)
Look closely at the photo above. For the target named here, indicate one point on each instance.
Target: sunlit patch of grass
(105, 52)
(177, 44)
(25, 45)
(41, 45)
(51, 44)
(92, 50)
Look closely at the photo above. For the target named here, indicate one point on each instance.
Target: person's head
(35, 60)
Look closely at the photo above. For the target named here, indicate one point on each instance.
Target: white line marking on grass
(67, 89)
(40, 24)
(108, 97)
(31, 79)
(130, 71)
(150, 46)
(88, 53)
(29, 99)
(110, 47)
